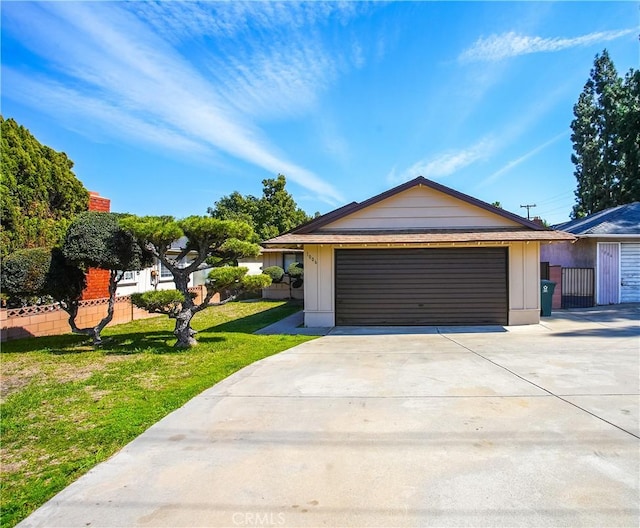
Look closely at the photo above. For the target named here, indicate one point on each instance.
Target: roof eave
(293, 240)
(608, 235)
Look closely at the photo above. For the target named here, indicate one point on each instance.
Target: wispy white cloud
(67, 103)
(498, 47)
(446, 163)
(276, 83)
(514, 163)
(182, 21)
(134, 82)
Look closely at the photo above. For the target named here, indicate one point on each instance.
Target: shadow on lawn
(154, 341)
(61, 344)
(250, 323)
(158, 342)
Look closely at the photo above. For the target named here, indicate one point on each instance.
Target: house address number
(312, 258)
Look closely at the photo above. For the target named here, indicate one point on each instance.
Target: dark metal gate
(578, 287)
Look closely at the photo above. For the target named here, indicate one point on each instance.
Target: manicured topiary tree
(204, 242)
(294, 275)
(275, 272)
(97, 240)
(40, 272)
(166, 302)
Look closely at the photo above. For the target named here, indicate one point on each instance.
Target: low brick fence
(47, 320)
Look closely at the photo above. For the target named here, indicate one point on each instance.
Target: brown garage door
(449, 286)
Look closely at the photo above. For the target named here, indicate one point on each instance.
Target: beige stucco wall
(524, 283)
(420, 207)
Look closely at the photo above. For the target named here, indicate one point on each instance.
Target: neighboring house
(609, 243)
(420, 254)
(157, 277)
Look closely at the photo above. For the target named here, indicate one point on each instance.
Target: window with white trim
(165, 273)
(128, 276)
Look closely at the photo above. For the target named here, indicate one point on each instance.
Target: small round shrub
(295, 270)
(275, 272)
(163, 301)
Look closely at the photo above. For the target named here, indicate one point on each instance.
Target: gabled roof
(314, 231)
(620, 220)
(328, 218)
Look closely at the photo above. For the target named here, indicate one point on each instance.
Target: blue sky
(166, 106)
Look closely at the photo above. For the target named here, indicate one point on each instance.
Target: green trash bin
(546, 297)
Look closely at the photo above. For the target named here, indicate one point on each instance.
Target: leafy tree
(97, 240)
(24, 274)
(204, 242)
(606, 139)
(39, 193)
(38, 272)
(271, 215)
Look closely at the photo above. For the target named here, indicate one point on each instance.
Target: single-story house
(608, 242)
(420, 254)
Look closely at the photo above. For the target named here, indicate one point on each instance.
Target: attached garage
(447, 286)
(420, 254)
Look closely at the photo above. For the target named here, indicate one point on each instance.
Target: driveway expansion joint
(542, 388)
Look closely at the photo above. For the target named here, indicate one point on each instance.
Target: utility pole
(529, 206)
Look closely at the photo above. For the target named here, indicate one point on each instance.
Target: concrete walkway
(527, 426)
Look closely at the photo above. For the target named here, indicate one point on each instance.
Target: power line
(529, 206)
(562, 196)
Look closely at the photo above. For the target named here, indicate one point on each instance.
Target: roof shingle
(620, 220)
(432, 237)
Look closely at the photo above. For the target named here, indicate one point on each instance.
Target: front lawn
(66, 407)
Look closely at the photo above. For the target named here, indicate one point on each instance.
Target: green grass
(66, 407)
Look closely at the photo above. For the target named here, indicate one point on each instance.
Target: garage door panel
(443, 284)
(630, 272)
(421, 286)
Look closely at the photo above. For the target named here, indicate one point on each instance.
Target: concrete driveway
(530, 426)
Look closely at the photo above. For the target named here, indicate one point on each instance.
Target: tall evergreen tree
(586, 152)
(39, 193)
(605, 139)
(629, 141)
